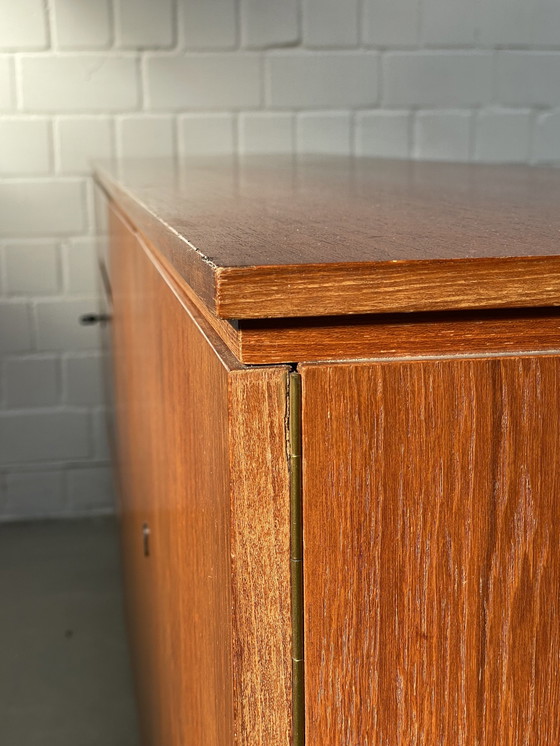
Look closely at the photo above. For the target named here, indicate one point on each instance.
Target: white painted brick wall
(40, 256)
(442, 135)
(23, 25)
(208, 24)
(32, 381)
(519, 23)
(266, 132)
(25, 146)
(7, 93)
(82, 24)
(449, 23)
(322, 79)
(43, 435)
(391, 23)
(528, 78)
(34, 494)
(71, 82)
(141, 135)
(330, 23)
(503, 136)
(141, 24)
(44, 207)
(383, 134)
(83, 379)
(325, 132)
(58, 327)
(203, 81)
(89, 79)
(268, 23)
(15, 327)
(437, 79)
(90, 489)
(80, 140)
(79, 266)
(547, 138)
(206, 134)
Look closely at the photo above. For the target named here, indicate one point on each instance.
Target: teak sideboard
(337, 406)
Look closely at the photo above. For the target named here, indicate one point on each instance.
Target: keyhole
(146, 539)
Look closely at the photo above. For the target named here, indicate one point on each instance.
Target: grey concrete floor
(64, 665)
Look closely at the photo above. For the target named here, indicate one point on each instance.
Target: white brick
(336, 79)
(442, 136)
(327, 132)
(7, 95)
(43, 436)
(25, 146)
(452, 22)
(58, 325)
(209, 24)
(32, 268)
(528, 78)
(101, 448)
(547, 138)
(266, 23)
(15, 327)
(31, 382)
(145, 135)
(23, 24)
(79, 258)
(383, 134)
(90, 489)
(83, 380)
(502, 136)
(82, 24)
(42, 208)
(389, 23)
(34, 494)
(518, 22)
(100, 212)
(81, 140)
(85, 82)
(437, 79)
(265, 132)
(144, 23)
(330, 23)
(210, 81)
(206, 134)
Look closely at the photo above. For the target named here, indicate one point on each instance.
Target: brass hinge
(296, 557)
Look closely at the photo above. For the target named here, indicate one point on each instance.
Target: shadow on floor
(64, 668)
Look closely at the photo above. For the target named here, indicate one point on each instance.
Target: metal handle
(146, 539)
(88, 319)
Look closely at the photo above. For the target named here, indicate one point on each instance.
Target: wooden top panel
(276, 236)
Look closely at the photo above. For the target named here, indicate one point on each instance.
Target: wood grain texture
(272, 341)
(212, 664)
(431, 529)
(260, 504)
(274, 237)
(399, 335)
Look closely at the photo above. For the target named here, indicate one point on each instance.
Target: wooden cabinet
(337, 397)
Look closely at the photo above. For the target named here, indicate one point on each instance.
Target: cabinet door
(431, 552)
(203, 468)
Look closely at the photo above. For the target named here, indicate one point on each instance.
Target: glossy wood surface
(281, 237)
(266, 341)
(202, 462)
(351, 337)
(431, 534)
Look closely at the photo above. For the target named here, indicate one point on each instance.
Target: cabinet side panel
(261, 557)
(172, 397)
(431, 561)
(133, 459)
